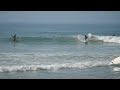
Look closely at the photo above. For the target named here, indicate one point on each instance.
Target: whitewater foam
(116, 69)
(52, 67)
(91, 37)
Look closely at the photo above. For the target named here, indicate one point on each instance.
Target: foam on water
(52, 67)
(116, 69)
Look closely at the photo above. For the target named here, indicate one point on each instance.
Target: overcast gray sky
(60, 16)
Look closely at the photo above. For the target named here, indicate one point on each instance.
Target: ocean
(59, 51)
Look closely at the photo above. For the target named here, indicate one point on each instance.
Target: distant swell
(51, 67)
(41, 39)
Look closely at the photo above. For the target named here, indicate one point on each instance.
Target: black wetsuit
(86, 37)
(14, 37)
(113, 34)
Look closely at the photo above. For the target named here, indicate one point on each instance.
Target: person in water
(113, 34)
(86, 37)
(14, 38)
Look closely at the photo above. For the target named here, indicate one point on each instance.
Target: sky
(90, 17)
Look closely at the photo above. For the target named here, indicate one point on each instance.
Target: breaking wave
(52, 67)
(97, 38)
(66, 39)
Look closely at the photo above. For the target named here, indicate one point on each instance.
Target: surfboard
(115, 61)
(85, 40)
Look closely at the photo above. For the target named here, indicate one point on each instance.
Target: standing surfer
(86, 38)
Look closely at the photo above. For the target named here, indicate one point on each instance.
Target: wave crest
(91, 37)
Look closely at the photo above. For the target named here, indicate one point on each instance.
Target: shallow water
(58, 51)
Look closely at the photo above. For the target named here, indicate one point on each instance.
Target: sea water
(58, 51)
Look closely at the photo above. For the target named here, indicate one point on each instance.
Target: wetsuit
(14, 37)
(86, 37)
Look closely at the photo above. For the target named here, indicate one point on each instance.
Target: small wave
(66, 39)
(91, 37)
(52, 67)
(50, 39)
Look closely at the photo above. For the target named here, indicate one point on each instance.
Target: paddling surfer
(86, 37)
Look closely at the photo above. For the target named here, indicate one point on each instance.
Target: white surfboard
(85, 40)
(115, 61)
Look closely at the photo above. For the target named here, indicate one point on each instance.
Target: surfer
(86, 37)
(14, 38)
(113, 34)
